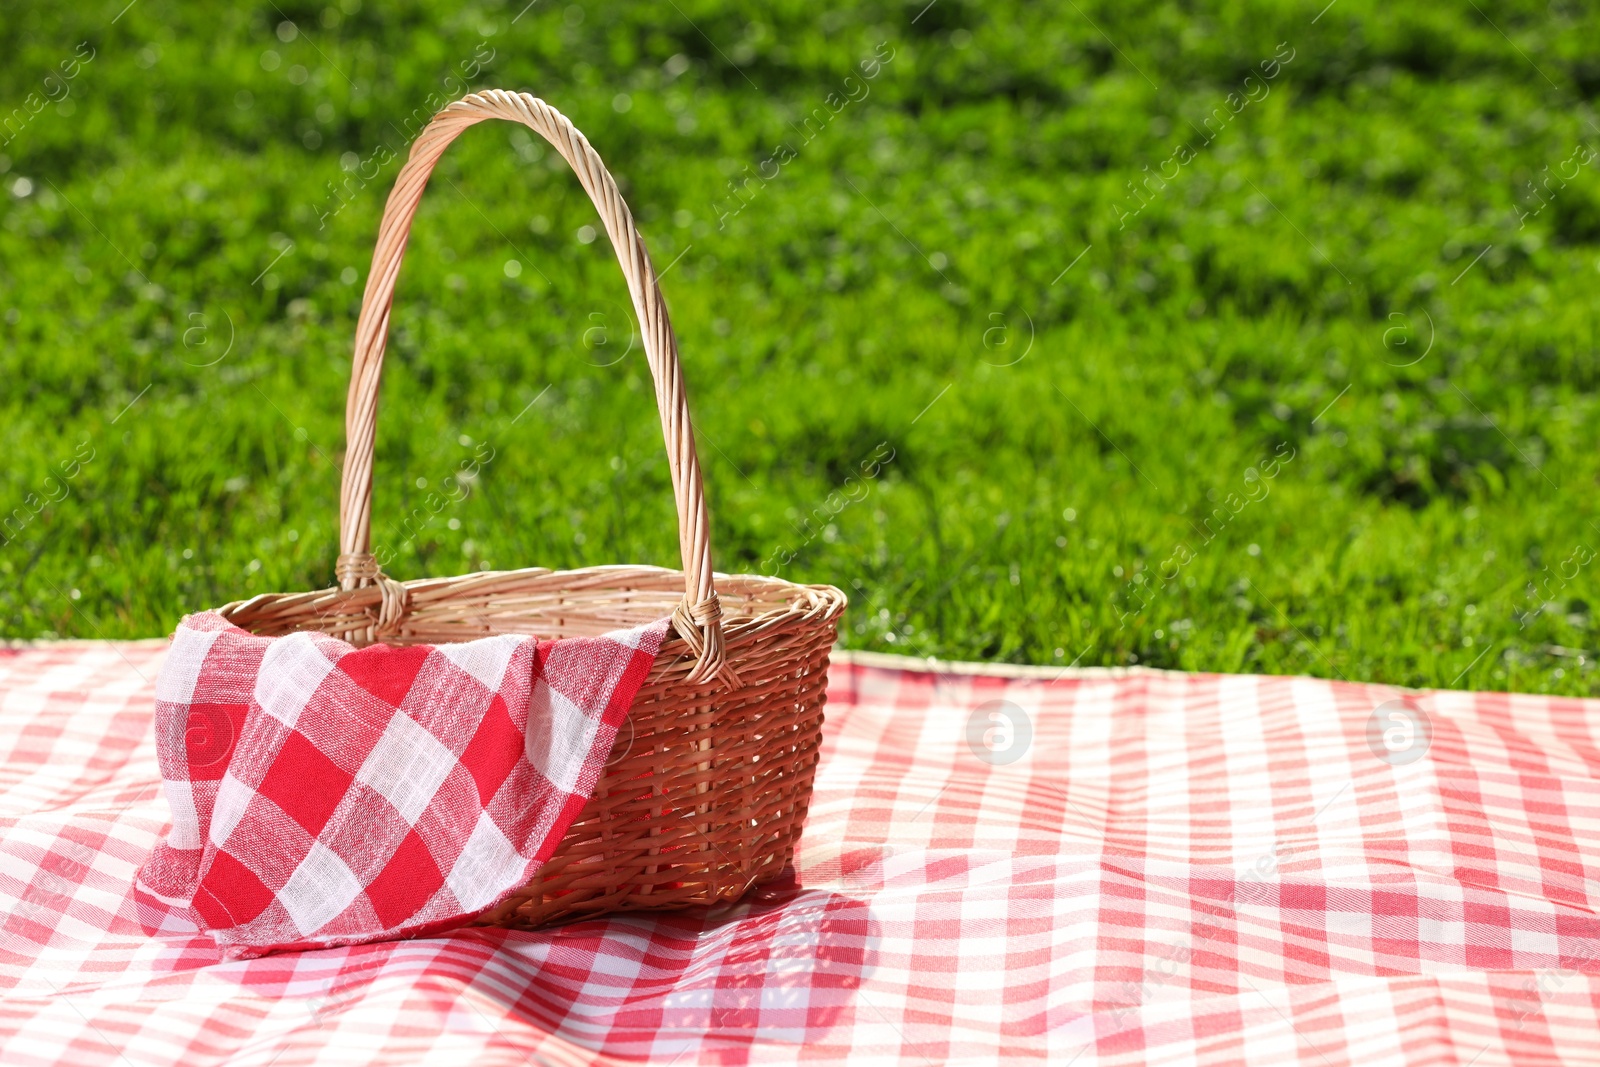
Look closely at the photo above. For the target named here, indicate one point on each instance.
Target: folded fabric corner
(327, 795)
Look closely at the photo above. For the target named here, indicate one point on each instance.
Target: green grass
(1308, 286)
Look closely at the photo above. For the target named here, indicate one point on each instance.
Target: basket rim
(810, 602)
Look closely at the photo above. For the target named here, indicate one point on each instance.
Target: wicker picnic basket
(709, 780)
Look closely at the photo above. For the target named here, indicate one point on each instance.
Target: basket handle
(698, 617)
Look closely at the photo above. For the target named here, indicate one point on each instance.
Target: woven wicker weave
(707, 785)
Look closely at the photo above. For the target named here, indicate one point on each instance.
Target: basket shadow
(782, 965)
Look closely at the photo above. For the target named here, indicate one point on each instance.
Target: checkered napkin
(327, 795)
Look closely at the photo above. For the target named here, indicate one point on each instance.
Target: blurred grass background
(1318, 398)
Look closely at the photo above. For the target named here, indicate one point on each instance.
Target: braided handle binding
(698, 617)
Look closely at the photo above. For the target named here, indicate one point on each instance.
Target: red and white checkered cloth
(327, 795)
(1170, 869)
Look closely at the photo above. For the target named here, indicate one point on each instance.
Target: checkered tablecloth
(1102, 867)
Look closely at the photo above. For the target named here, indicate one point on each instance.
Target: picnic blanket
(1111, 867)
